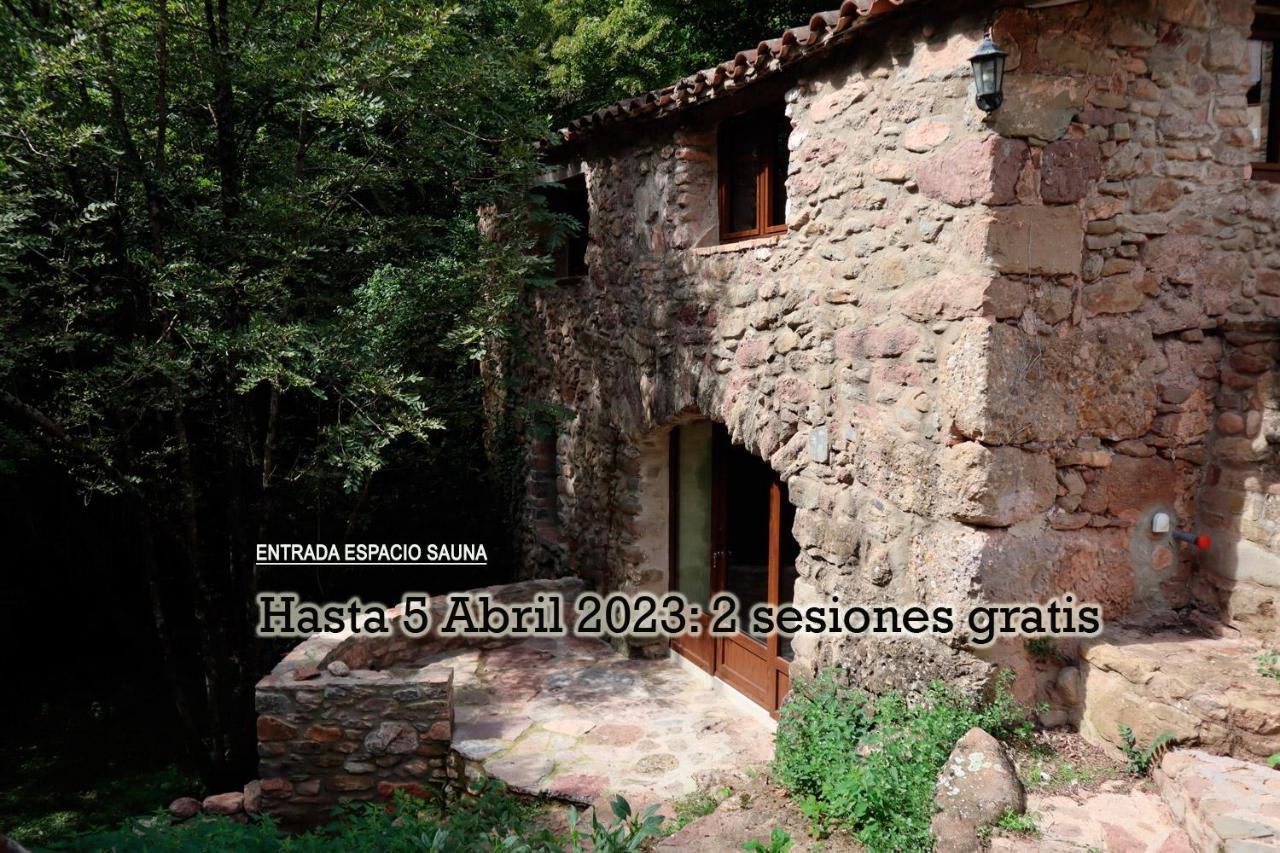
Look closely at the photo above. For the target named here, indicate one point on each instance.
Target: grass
(82, 766)
(1040, 769)
(694, 805)
(1015, 823)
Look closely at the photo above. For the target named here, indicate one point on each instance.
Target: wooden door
(751, 553)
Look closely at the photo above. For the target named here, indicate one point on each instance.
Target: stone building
(835, 331)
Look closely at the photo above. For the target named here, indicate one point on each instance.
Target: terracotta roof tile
(768, 57)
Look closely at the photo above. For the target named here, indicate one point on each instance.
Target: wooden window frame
(764, 122)
(1266, 28)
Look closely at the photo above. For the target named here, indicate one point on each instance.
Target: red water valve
(1201, 541)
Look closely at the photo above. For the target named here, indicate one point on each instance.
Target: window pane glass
(742, 161)
(1261, 57)
(778, 174)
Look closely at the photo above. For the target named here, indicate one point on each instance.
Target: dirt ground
(731, 809)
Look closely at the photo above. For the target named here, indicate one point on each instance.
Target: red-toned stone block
(270, 728)
(323, 734)
(387, 790)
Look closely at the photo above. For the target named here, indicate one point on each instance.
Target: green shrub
(869, 765)
(1274, 761)
(490, 821)
(1042, 648)
(625, 835)
(1269, 664)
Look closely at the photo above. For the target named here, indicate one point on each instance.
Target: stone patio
(569, 718)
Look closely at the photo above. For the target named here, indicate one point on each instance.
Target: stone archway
(711, 517)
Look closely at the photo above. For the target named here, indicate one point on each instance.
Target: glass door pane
(693, 522)
(747, 533)
(788, 552)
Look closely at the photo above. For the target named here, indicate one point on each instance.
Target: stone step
(1204, 690)
(1122, 819)
(1224, 804)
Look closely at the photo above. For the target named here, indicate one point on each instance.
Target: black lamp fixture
(988, 74)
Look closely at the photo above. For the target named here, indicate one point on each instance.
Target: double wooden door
(731, 532)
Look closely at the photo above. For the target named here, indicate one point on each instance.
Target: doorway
(731, 532)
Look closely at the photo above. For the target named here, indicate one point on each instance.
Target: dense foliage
(600, 52)
(243, 295)
(490, 821)
(870, 765)
(240, 267)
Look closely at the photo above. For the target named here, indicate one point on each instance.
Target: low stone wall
(358, 736)
(349, 716)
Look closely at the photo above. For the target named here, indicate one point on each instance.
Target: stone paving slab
(1225, 803)
(569, 718)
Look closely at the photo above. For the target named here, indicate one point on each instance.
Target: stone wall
(1143, 148)
(987, 349)
(347, 716)
(359, 736)
(1240, 504)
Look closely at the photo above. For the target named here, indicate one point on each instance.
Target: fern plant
(1140, 759)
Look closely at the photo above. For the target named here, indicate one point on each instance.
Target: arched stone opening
(712, 517)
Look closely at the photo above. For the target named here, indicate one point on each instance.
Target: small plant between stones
(1012, 822)
(1140, 759)
(779, 842)
(694, 805)
(1269, 665)
(1043, 649)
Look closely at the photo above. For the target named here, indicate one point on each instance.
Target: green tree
(239, 265)
(597, 53)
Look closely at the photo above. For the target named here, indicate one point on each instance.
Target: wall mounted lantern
(988, 74)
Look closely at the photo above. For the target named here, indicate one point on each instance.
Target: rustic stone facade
(984, 353)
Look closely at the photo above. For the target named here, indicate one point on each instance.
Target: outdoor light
(988, 74)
